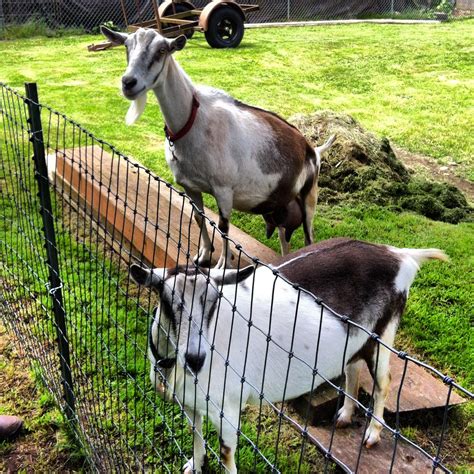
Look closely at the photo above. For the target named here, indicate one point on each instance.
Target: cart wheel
(225, 28)
(179, 8)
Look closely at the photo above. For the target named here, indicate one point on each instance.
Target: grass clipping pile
(360, 167)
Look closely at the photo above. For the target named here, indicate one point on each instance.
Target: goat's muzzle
(195, 361)
(128, 82)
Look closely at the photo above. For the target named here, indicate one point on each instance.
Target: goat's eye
(162, 50)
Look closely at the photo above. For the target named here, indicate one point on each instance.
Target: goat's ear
(140, 275)
(232, 277)
(178, 43)
(113, 36)
(146, 277)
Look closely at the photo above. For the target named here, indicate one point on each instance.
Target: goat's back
(346, 274)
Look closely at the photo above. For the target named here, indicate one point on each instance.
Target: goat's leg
(381, 374)
(284, 245)
(344, 415)
(196, 463)
(309, 206)
(203, 258)
(227, 430)
(224, 202)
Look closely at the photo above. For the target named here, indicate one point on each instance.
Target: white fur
(411, 260)
(299, 257)
(136, 109)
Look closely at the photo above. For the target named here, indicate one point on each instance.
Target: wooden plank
(249, 8)
(144, 24)
(285, 24)
(420, 391)
(178, 21)
(101, 46)
(156, 221)
(184, 14)
(346, 446)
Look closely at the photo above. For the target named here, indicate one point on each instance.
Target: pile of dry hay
(359, 167)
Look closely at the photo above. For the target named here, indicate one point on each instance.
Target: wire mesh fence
(146, 374)
(90, 14)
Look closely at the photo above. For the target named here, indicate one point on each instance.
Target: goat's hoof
(372, 437)
(343, 420)
(188, 468)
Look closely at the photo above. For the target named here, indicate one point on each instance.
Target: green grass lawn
(412, 83)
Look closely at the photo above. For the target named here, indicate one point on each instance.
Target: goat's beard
(136, 109)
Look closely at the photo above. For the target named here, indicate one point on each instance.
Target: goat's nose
(195, 361)
(129, 82)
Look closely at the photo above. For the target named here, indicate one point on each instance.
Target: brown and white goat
(249, 159)
(222, 338)
(288, 218)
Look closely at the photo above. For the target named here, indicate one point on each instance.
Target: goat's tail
(322, 148)
(421, 255)
(410, 262)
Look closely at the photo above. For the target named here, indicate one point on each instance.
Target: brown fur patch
(346, 274)
(292, 148)
(369, 350)
(288, 155)
(226, 453)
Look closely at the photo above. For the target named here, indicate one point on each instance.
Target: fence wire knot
(52, 291)
(448, 380)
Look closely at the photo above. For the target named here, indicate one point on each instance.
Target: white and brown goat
(249, 159)
(237, 352)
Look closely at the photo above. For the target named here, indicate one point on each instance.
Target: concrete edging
(339, 22)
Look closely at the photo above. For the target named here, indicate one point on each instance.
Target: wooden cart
(221, 21)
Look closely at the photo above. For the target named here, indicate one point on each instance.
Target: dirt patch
(360, 167)
(428, 167)
(42, 445)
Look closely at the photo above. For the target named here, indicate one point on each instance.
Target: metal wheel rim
(227, 30)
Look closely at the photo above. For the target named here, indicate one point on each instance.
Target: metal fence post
(41, 175)
(2, 18)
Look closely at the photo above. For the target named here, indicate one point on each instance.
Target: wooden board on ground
(346, 447)
(137, 207)
(101, 46)
(420, 390)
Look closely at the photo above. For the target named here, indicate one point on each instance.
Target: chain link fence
(74, 215)
(89, 14)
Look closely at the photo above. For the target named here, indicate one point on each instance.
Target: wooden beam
(249, 8)
(156, 221)
(420, 390)
(177, 21)
(143, 24)
(101, 46)
(157, 15)
(184, 14)
(347, 443)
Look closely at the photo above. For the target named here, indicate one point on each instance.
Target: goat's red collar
(173, 137)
